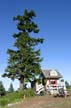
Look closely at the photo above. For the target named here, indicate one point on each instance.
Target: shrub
(4, 102)
(16, 96)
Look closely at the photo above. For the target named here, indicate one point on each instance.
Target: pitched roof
(51, 74)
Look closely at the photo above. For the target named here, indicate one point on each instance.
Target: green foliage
(11, 89)
(2, 89)
(16, 96)
(67, 85)
(24, 62)
(4, 102)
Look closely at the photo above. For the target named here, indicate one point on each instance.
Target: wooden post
(24, 97)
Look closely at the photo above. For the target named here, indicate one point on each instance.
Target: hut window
(53, 82)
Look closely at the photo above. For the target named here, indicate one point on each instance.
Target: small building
(51, 80)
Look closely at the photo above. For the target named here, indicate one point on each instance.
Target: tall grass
(16, 96)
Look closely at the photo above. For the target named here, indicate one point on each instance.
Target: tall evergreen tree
(11, 89)
(2, 89)
(67, 85)
(24, 61)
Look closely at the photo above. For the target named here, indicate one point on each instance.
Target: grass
(4, 107)
(43, 102)
(16, 97)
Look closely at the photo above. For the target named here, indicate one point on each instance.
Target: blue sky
(54, 20)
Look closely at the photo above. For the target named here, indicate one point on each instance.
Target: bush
(29, 93)
(16, 96)
(4, 102)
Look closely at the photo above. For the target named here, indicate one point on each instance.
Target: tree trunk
(33, 84)
(21, 84)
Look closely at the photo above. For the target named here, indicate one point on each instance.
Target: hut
(51, 81)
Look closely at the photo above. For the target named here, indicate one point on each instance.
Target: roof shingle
(51, 74)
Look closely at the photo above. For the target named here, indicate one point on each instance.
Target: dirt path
(44, 102)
